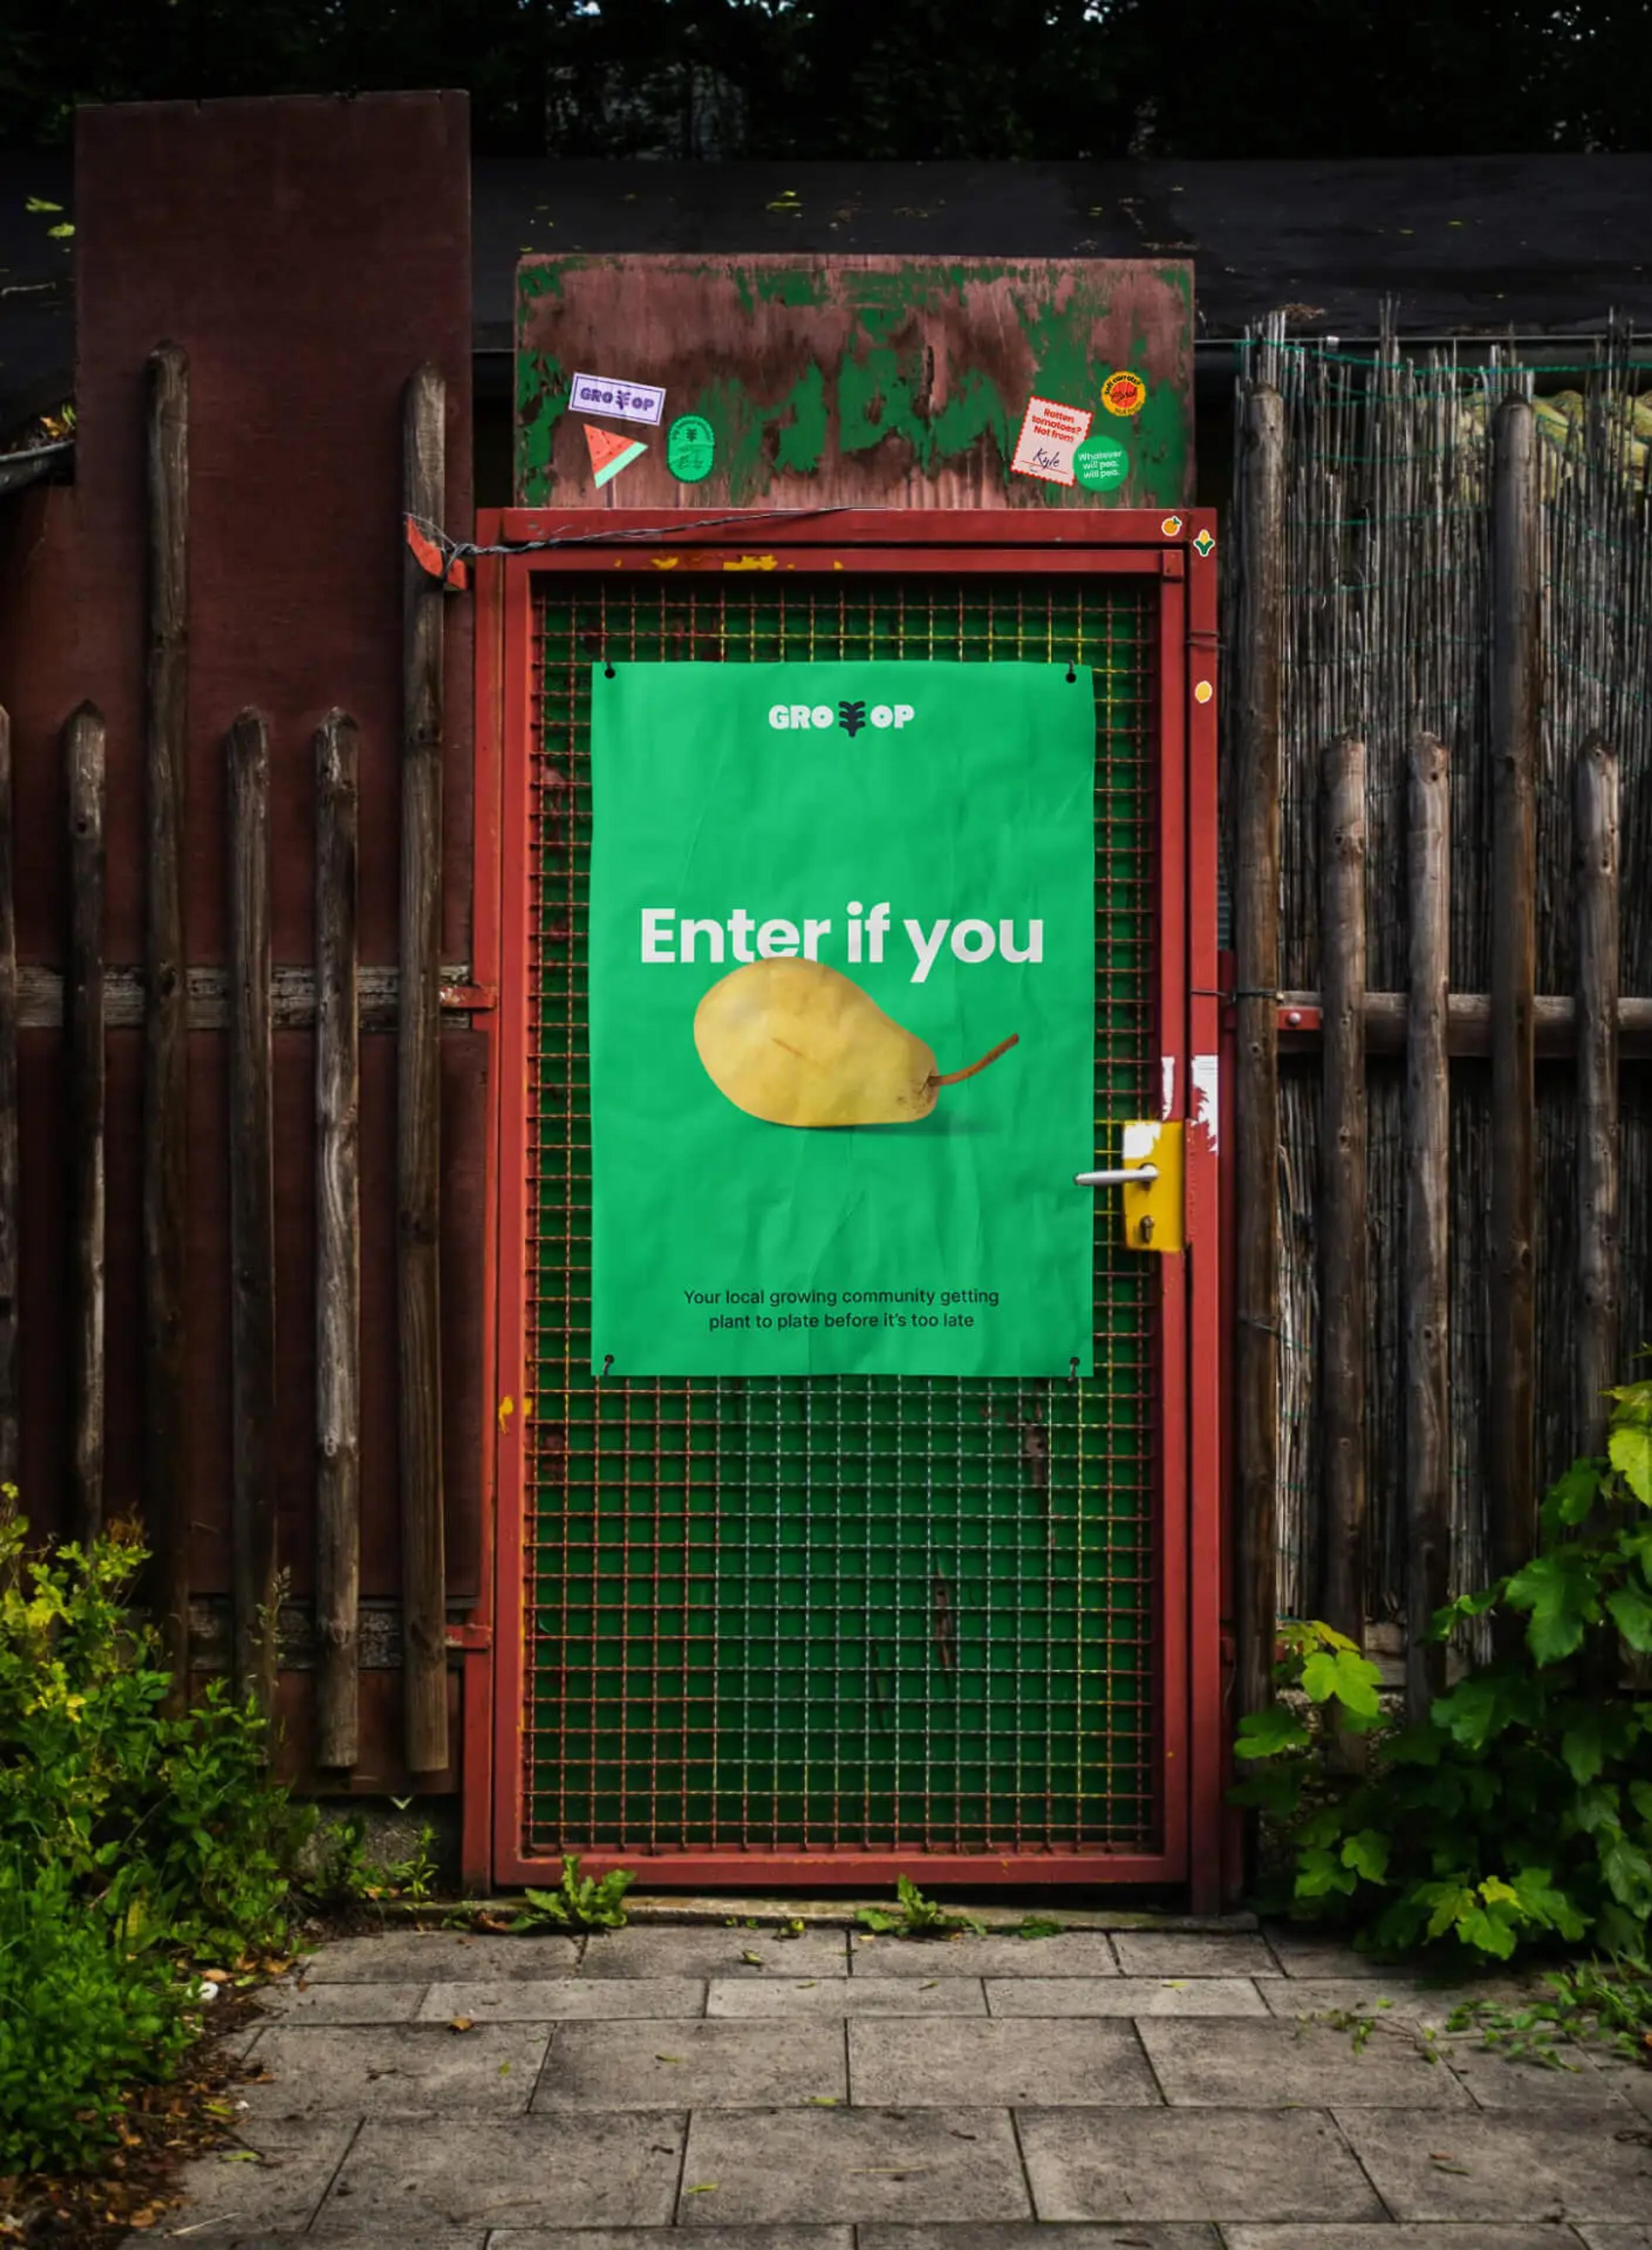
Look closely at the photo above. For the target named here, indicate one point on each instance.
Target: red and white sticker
(1049, 433)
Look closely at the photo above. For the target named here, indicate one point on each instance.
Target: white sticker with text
(1049, 433)
(632, 402)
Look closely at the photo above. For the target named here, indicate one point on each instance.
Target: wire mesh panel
(851, 1613)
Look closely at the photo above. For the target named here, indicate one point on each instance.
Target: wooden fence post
(1260, 656)
(83, 1012)
(1511, 1402)
(166, 1085)
(419, 1098)
(1342, 1187)
(9, 1401)
(1596, 863)
(1427, 1149)
(252, 1212)
(338, 1249)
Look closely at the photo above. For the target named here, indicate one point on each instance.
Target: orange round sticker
(1124, 393)
(1203, 692)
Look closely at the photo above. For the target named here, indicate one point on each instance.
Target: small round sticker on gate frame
(1123, 392)
(691, 448)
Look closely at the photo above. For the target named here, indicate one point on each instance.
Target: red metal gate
(601, 1500)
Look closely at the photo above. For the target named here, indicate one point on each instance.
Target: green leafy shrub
(1520, 1811)
(132, 1841)
(579, 1902)
(341, 1871)
(85, 2013)
(914, 1915)
(172, 1819)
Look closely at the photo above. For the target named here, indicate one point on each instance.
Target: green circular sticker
(689, 448)
(1100, 463)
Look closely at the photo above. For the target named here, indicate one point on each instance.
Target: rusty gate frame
(1177, 552)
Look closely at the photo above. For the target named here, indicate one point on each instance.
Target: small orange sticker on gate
(1203, 692)
(1124, 393)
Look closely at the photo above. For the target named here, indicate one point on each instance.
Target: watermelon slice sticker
(610, 453)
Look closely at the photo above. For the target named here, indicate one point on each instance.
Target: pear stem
(1002, 1048)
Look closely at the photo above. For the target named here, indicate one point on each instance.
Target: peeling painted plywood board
(869, 382)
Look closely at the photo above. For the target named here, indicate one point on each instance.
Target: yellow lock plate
(1153, 1213)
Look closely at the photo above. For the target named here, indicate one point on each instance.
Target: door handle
(1151, 1208)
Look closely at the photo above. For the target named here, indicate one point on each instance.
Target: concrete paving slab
(1636, 2235)
(1015, 2234)
(1075, 1953)
(1303, 1953)
(897, 2063)
(1499, 2237)
(603, 2169)
(628, 2065)
(1497, 2082)
(469, 2238)
(1221, 2164)
(553, 1999)
(424, 1955)
(1188, 1953)
(1387, 1996)
(1519, 2164)
(342, 2004)
(760, 2167)
(227, 2195)
(1632, 2081)
(701, 1952)
(446, 2238)
(1242, 2066)
(1125, 1995)
(645, 2237)
(390, 2069)
(853, 1996)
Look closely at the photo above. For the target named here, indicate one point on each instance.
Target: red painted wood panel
(307, 255)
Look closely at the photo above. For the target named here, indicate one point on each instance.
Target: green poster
(841, 1009)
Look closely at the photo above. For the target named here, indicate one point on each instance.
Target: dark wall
(307, 256)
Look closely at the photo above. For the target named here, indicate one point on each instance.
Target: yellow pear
(796, 1043)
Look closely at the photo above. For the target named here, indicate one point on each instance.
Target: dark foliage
(882, 79)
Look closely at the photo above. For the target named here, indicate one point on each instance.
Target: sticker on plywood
(610, 452)
(601, 394)
(1049, 433)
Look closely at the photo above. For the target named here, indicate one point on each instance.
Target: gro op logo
(851, 717)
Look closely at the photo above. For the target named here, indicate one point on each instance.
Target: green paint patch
(883, 387)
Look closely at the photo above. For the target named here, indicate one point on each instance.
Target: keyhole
(1147, 1230)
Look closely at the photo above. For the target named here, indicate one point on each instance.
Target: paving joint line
(1363, 2170)
(1021, 2159)
(332, 2178)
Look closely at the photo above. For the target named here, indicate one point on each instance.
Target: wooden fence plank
(1256, 1067)
(251, 1211)
(1598, 1227)
(84, 743)
(1427, 1135)
(1469, 1023)
(292, 998)
(166, 1085)
(1510, 1407)
(418, 1096)
(1342, 1189)
(338, 1249)
(9, 1398)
